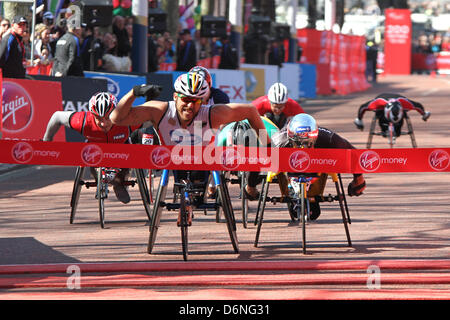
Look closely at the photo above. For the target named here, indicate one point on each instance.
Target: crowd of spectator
(432, 43)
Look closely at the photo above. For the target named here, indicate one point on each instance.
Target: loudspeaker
(213, 27)
(400, 4)
(157, 20)
(259, 25)
(96, 12)
(282, 31)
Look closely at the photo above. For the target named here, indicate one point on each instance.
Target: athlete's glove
(426, 115)
(149, 91)
(357, 186)
(359, 124)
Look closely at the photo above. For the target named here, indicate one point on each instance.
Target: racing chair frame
(299, 201)
(102, 190)
(390, 135)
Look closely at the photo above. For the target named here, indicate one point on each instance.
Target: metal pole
(293, 39)
(235, 17)
(139, 52)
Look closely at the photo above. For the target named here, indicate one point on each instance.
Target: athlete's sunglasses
(187, 99)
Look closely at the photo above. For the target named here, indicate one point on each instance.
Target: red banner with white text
(397, 44)
(225, 158)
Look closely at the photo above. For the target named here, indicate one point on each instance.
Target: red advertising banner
(397, 45)
(1, 103)
(226, 158)
(27, 107)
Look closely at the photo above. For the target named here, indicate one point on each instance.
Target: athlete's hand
(149, 91)
(426, 115)
(359, 124)
(357, 186)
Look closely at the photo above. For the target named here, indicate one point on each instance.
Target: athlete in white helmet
(277, 106)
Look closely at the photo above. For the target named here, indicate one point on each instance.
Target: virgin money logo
(439, 160)
(370, 161)
(160, 157)
(22, 152)
(230, 159)
(299, 161)
(396, 16)
(91, 155)
(17, 107)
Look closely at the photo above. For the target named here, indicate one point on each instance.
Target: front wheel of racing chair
(301, 201)
(102, 190)
(391, 134)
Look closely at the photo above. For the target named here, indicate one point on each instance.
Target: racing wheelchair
(191, 197)
(390, 128)
(103, 177)
(299, 198)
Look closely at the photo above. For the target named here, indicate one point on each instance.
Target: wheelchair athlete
(215, 95)
(390, 107)
(183, 120)
(277, 106)
(302, 132)
(96, 126)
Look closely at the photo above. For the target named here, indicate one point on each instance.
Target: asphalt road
(401, 216)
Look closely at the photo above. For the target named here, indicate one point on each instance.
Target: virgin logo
(299, 161)
(396, 16)
(91, 155)
(17, 107)
(369, 161)
(22, 152)
(439, 160)
(230, 158)
(160, 157)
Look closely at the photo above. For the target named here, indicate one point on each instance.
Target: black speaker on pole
(96, 13)
(259, 25)
(213, 27)
(282, 31)
(157, 20)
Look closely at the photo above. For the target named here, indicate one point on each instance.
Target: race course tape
(236, 158)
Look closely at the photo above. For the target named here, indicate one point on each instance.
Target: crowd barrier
(225, 158)
(439, 62)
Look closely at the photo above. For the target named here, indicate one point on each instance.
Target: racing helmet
(204, 72)
(192, 84)
(102, 104)
(278, 93)
(302, 130)
(393, 111)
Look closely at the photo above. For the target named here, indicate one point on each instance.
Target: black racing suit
(379, 103)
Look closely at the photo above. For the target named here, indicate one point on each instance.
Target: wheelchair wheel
(260, 210)
(144, 191)
(102, 194)
(77, 184)
(302, 213)
(157, 210)
(244, 200)
(184, 227)
(225, 202)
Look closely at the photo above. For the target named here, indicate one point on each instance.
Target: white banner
(232, 82)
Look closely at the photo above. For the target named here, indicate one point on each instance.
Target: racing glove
(357, 186)
(359, 124)
(149, 91)
(426, 115)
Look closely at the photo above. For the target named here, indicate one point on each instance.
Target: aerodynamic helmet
(302, 130)
(192, 84)
(102, 104)
(204, 72)
(278, 93)
(393, 111)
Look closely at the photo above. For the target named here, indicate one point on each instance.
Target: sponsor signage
(397, 44)
(27, 106)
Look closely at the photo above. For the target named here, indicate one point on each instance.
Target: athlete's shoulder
(219, 96)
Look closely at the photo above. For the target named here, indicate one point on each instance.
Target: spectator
(12, 50)
(123, 41)
(68, 54)
(276, 53)
(5, 24)
(48, 19)
(92, 49)
(255, 48)
(153, 58)
(229, 57)
(186, 52)
(111, 61)
(371, 61)
(42, 43)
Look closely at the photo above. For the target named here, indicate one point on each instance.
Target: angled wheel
(144, 191)
(102, 194)
(77, 184)
(225, 203)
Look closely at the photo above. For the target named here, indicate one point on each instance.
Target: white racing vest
(197, 133)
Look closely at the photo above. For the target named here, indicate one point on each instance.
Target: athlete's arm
(127, 115)
(222, 114)
(58, 119)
